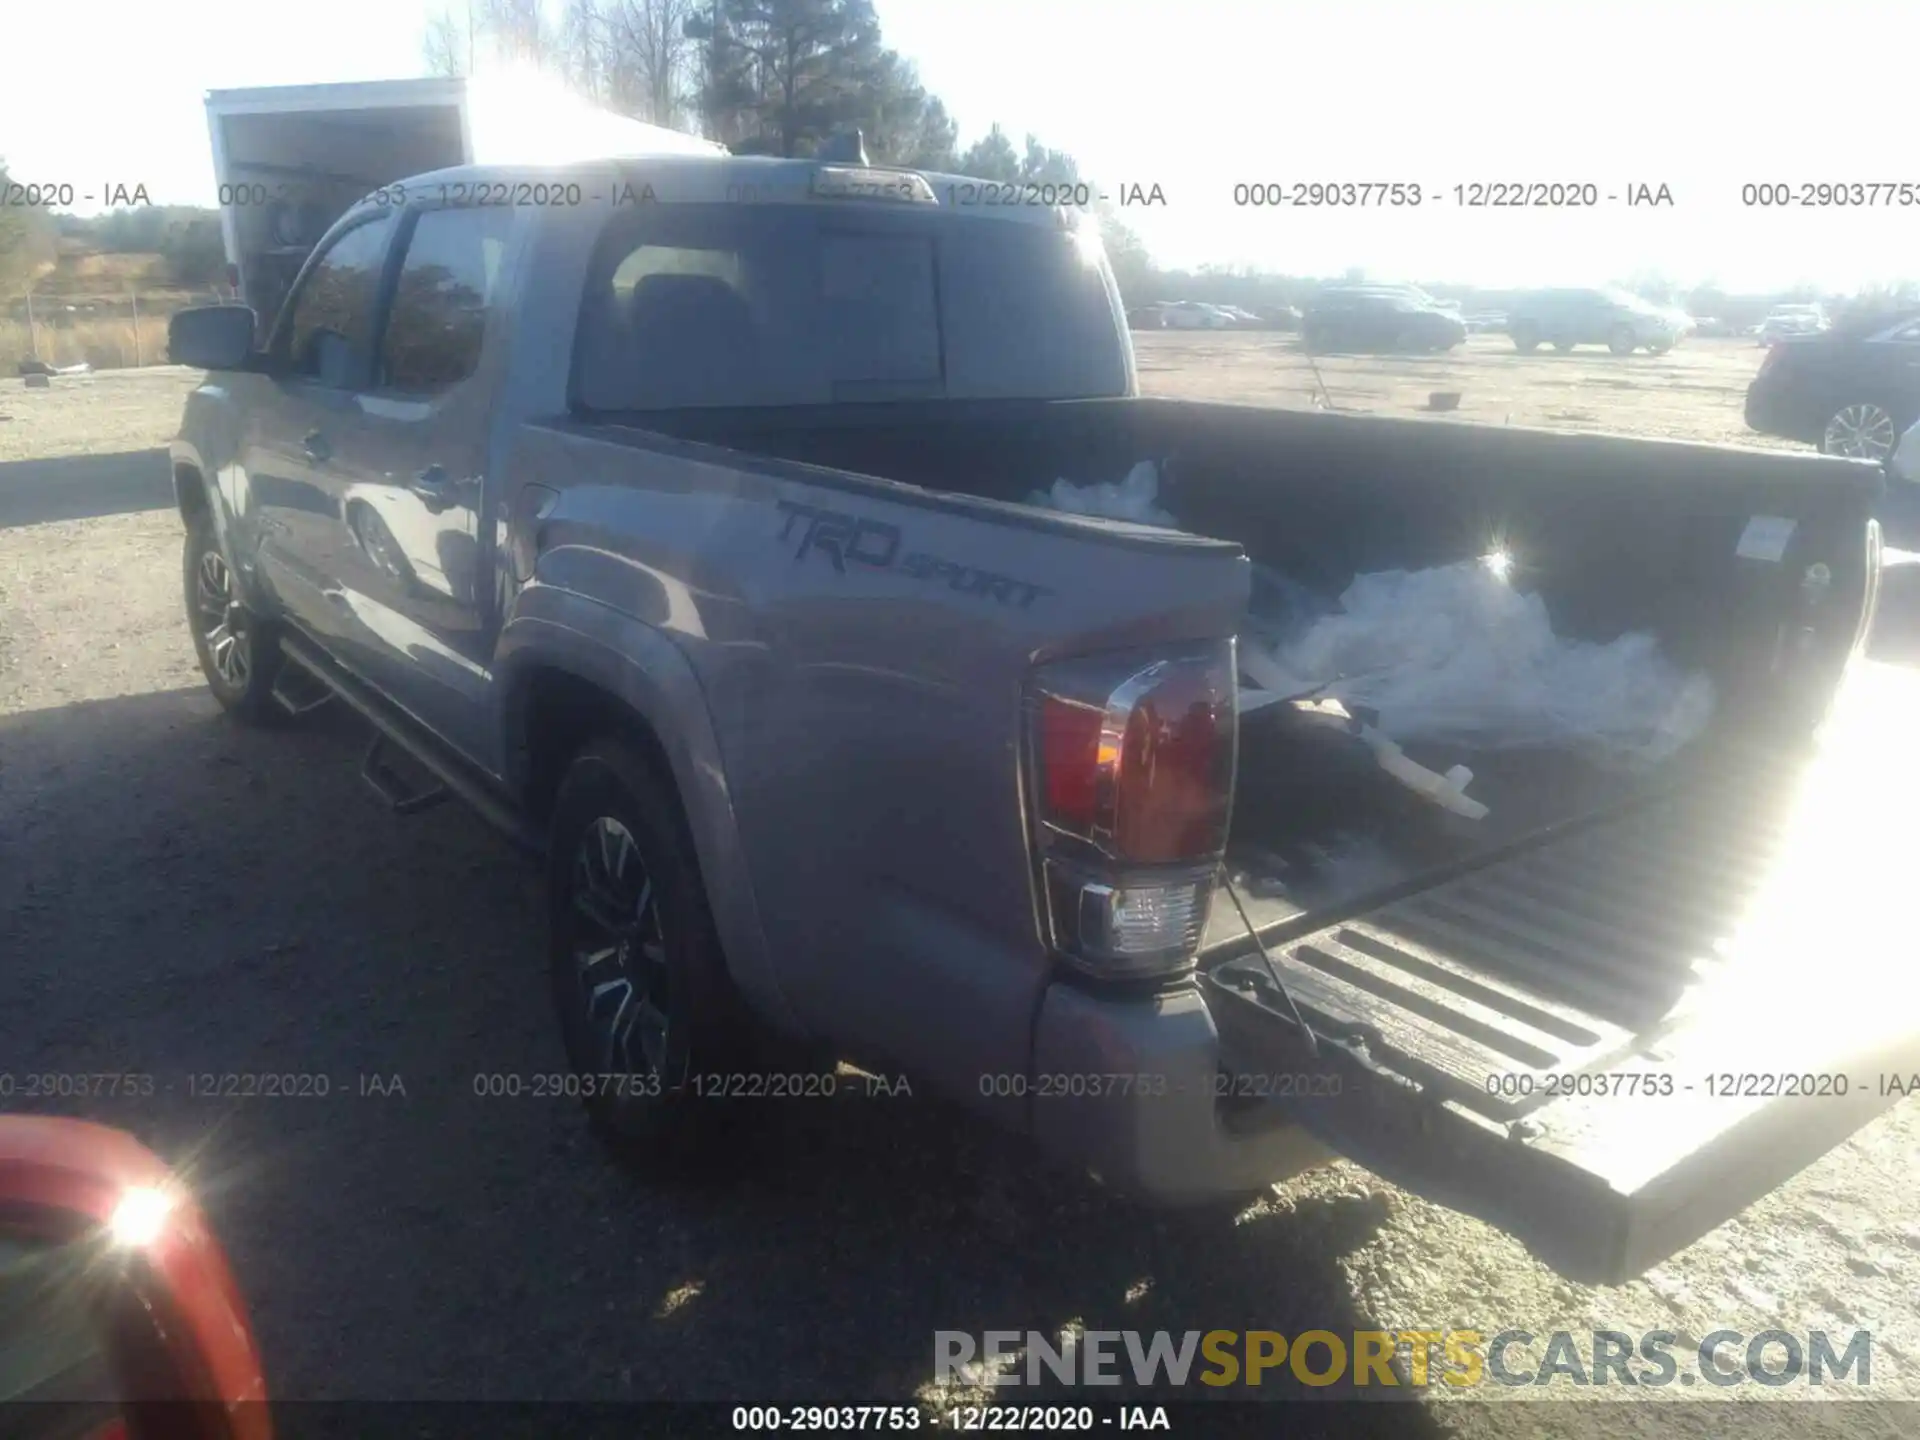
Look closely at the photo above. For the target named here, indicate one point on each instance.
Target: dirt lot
(1692, 393)
(181, 897)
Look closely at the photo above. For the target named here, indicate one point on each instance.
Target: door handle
(316, 446)
(434, 488)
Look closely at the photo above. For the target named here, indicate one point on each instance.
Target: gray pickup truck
(675, 515)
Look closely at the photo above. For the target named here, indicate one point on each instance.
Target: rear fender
(640, 667)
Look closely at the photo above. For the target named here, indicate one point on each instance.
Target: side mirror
(118, 1313)
(211, 337)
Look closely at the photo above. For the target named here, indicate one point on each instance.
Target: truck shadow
(84, 487)
(202, 905)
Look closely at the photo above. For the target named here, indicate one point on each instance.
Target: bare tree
(447, 47)
(650, 56)
(582, 48)
(519, 30)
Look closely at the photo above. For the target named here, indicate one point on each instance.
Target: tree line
(185, 237)
(765, 77)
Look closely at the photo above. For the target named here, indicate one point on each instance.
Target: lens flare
(139, 1217)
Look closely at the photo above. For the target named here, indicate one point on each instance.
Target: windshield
(758, 305)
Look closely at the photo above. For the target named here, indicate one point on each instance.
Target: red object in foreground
(74, 1172)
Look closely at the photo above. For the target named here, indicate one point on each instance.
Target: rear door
(1609, 1040)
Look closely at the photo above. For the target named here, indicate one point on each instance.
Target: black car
(1852, 390)
(1367, 319)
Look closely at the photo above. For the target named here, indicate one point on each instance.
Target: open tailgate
(1608, 1042)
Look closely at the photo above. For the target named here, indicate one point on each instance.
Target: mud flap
(1611, 1043)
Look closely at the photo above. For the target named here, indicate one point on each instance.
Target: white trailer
(289, 160)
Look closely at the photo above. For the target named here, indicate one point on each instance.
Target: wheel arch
(583, 669)
(196, 497)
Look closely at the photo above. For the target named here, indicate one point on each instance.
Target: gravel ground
(180, 897)
(1695, 392)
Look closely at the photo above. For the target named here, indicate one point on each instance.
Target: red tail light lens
(1173, 771)
(1068, 761)
(1138, 759)
(1131, 771)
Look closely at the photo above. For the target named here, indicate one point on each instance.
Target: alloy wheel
(620, 954)
(222, 621)
(1861, 432)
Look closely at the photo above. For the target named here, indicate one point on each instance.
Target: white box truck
(289, 160)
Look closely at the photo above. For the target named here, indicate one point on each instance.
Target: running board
(295, 705)
(452, 774)
(388, 784)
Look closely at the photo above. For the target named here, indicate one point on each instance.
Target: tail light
(1130, 764)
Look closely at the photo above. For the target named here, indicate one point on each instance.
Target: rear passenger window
(440, 303)
(329, 330)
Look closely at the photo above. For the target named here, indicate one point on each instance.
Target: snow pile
(1134, 498)
(1456, 655)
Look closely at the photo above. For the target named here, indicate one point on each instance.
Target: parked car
(1147, 317)
(1621, 321)
(1241, 318)
(1711, 327)
(833, 744)
(1786, 321)
(1851, 390)
(1379, 319)
(119, 1315)
(1192, 315)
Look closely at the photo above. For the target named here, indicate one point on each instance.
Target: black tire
(1564, 347)
(239, 652)
(660, 1115)
(1622, 341)
(1526, 339)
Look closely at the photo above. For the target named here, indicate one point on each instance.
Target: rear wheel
(1622, 340)
(239, 653)
(1860, 431)
(1526, 339)
(649, 1017)
(1563, 346)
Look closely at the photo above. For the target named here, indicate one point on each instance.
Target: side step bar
(297, 692)
(387, 783)
(393, 726)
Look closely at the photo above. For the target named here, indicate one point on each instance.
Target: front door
(300, 426)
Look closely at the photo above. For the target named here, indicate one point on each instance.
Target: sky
(1198, 97)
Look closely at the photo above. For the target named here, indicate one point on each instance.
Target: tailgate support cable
(1273, 970)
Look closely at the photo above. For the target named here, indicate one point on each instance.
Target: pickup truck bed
(1455, 974)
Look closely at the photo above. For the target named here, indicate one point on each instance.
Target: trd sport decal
(847, 539)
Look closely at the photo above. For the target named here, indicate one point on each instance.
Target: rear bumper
(1768, 413)
(1132, 1090)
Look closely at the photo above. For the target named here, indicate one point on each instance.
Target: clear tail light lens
(1131, 767)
